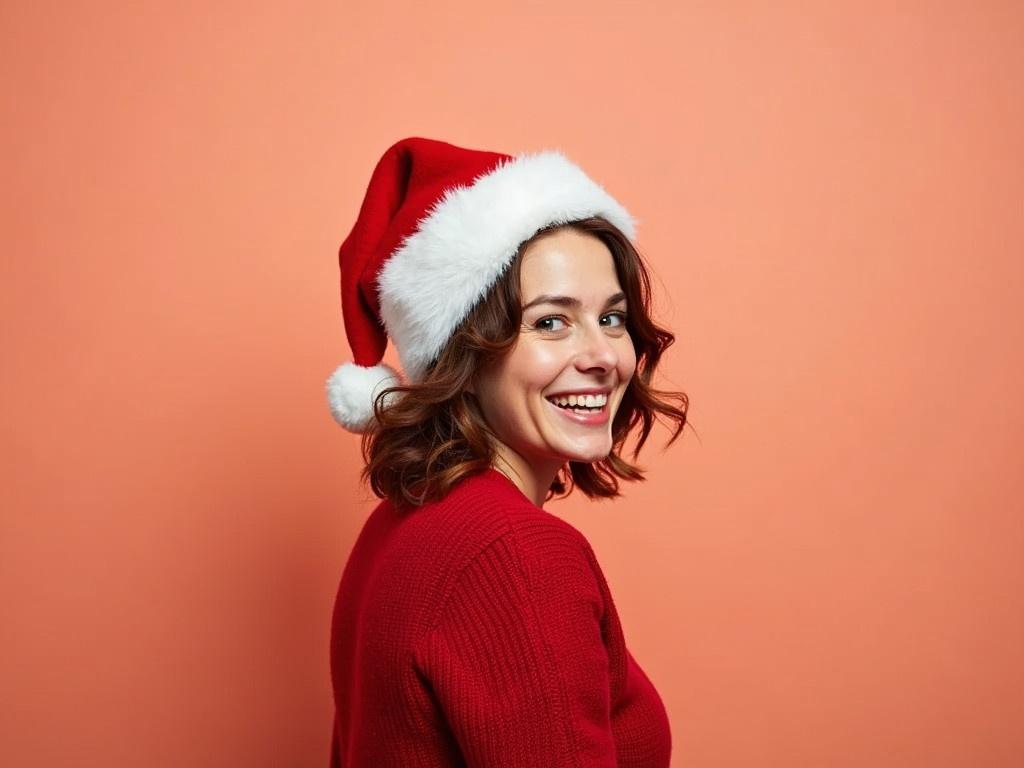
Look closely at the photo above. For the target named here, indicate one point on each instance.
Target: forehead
(568, 263)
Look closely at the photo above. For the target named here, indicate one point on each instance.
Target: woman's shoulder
(485, 533)
(485, 515)
(488, 505)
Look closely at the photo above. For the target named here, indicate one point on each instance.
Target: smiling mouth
(580, 403)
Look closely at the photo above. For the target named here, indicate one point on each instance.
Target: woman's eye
(614, 320)
(550, 324)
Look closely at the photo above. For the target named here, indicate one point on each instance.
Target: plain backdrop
(826, 569)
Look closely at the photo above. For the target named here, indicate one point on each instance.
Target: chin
(584, 455)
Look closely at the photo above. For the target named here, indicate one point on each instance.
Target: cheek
(525, 371)
(534, 367)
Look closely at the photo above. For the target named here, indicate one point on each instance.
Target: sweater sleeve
(517, 660)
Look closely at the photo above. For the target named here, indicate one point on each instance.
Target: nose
(595, 352)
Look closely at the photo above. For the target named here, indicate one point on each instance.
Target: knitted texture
(480, 631)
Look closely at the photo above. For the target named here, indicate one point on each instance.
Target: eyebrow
(570, 301)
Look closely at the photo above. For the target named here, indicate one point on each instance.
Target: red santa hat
(437, 227)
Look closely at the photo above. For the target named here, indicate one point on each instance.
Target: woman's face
(552, 397)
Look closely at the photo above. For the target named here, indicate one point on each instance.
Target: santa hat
(438, 226)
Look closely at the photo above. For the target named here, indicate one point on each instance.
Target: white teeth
(580, 401)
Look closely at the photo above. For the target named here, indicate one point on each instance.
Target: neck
(533, 478)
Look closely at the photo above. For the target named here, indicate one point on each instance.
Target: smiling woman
(574, 295)
(471, 626)
(549, 400)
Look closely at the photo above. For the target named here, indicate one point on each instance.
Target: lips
(582, 406)
(580, 400)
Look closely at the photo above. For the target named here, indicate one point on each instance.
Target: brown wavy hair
(431, 434)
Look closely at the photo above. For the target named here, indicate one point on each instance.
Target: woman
(471, 626)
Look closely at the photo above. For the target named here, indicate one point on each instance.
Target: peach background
(826, 571)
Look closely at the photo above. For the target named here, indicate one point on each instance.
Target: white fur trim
(351, 391)
(469, 237)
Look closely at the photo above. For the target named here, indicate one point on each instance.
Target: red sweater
(480, 631)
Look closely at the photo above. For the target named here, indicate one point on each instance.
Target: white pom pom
(351, 391)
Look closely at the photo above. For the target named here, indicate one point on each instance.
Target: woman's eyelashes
(551, 324)
(555, 324)
(615, 319)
